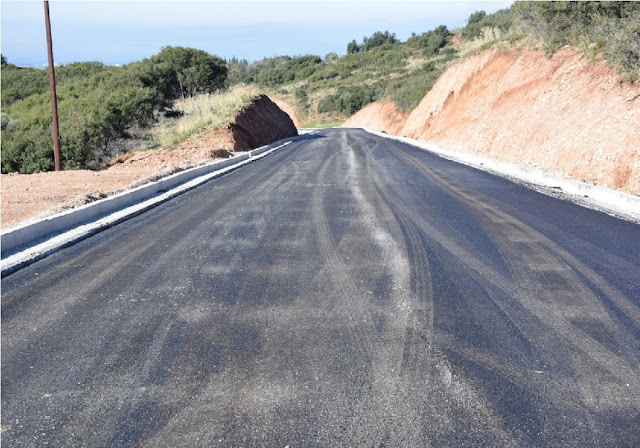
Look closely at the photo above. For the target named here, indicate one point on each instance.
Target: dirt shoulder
(31, 196)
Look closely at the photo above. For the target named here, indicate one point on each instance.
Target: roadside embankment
(260, 123)
(32, 196)
(561, 114)
(290, 109)
(380, 117)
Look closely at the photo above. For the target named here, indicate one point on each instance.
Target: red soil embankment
(291, 110)
(561, 114)
(379, 117)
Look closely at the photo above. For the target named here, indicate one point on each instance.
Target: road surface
(347, 290)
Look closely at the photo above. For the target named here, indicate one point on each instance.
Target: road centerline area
(347, 290)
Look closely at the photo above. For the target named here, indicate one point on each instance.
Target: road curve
(347, 290)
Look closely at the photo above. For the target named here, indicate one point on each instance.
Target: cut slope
(379, 117)
(291, 110)
(259, 123)
(561, 114)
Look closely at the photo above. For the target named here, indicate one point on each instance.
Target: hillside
(380, 68)
(157, 103)
(106, 111)
(561, 114)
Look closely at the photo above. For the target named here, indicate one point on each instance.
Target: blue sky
(121, 32)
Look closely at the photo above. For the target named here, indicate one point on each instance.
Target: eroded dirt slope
(290, 109)
(32, 196)
(561, 114)
(259, 123)
(379, 117)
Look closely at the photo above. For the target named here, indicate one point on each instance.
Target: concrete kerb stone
(36, 240)
(615, 203)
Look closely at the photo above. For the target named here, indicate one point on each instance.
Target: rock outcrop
(260, 123)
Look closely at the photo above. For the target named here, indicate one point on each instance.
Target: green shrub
(612, 28)
(348, 101)
(480, 20)
(19, 83)
(407, 93)
(96, 105)
(431, 41)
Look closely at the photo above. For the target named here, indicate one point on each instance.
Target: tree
(378, 39)
(181, 71)
(476, 17)
(431, 41)
(353, 47)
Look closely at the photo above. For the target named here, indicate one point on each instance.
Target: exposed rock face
(260, 123)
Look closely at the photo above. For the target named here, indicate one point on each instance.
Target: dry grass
(490, 36)
(203, 113)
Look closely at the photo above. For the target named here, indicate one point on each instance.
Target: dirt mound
(30, 196)
(561, 114)
(259, 123)
(291, 110)
(379, 117)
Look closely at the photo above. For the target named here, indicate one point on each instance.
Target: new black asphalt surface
(347, 290)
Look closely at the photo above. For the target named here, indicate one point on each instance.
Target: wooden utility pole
(52, 87)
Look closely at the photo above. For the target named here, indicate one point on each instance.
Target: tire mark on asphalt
(535, 262)
(418, 323)
(426, 371)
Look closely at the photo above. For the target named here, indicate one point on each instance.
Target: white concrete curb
(43, 237)
(616, 203)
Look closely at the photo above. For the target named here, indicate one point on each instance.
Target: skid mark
(546, 281)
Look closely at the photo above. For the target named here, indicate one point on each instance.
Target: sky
(119, 32)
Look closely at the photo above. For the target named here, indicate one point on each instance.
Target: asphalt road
(345, 291)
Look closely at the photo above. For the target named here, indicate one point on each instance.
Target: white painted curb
(41, 236)
(616, 203)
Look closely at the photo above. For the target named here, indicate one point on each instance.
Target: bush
(274, 76)
(612, 28)
(479, 21)
(96, 105)
(377, 39)
(179, 72)
(431, 41)
(348, 101)
(19, 83)
(409, 92)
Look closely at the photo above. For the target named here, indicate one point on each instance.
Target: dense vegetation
(97, 104)
(380, 66)
(610, 28)
(100, 104)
